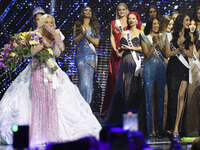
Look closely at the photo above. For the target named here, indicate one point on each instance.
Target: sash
(180, 56)
(119, 25)
(183, 61)
(136, 58)
(93, 48)
(196, 61)
(157, 50)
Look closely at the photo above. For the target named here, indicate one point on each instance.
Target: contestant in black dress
(128, 84)
(178, 73)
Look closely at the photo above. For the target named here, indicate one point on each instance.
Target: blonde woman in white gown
(46, 101)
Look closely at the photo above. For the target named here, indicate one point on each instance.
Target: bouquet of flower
(21, 46)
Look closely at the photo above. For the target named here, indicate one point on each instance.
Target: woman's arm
(78, 38)
(168, 52)
(139, 48)
(189, 52)
(147, 53)
(92, 40)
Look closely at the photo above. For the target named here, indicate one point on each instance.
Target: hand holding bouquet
(24, 45)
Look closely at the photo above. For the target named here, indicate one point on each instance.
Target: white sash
(180, 56)
(157, 50)
(137, 60)
(183, 61)
(196, 61)
(119, 25)
(93, 48)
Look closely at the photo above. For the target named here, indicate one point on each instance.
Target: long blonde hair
(42, 21)
(121, 4)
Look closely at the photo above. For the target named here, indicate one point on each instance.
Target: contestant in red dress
(117, 27)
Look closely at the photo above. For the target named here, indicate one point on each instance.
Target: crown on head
(38, 10)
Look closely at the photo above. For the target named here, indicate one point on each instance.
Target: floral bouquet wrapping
(20, 47)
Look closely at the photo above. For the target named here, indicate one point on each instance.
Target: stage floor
(155, 143)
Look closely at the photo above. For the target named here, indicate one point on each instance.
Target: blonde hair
(42, 22)
(121, 4)
(164, 22)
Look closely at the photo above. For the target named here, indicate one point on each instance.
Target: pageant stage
(155, 143)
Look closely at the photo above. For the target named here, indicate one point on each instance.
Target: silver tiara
(38, 10)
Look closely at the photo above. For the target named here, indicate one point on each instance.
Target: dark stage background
(16, 16)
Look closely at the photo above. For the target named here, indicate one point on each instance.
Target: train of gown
(75, 117)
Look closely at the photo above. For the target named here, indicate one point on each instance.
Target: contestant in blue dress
(86, 35)
(154, 75)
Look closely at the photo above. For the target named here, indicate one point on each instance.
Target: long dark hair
(94, 24)
(149, 25)
(178, 25)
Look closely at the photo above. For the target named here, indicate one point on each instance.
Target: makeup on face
(121, 11)
(152, 12)
(192, 26)
(155, 26)
(49, 22)
(87, 12)
(170, 26)
(132, 20)
(186, 22)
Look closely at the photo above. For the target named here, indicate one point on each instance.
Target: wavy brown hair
(164, 22)
(94, 24)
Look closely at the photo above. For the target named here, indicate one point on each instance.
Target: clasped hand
(123, 46)
(50, 29)
(84, 31)
(157, 40)
(182, 48)
(37, 48)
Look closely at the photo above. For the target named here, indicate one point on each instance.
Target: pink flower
(22, 42)
(2, 65)
(15, 44)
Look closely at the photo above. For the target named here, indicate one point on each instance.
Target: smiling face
(186, 22)
(132, 20)
(192, 26)
(122, 11)
(87, 12)
(152, 12)
(170, 26)
(49, 22)
(155, 26)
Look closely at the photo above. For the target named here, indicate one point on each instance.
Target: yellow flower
(50, 51)
(21, 37)
(12, 54)
(33, 42)
(24, 34)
